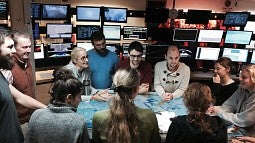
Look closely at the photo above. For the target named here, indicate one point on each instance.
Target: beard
(6, 62)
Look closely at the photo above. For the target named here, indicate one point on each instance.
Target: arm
(184, 82)
(157, 85)
(25, 100)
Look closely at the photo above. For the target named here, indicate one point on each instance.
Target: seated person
(80, 69)
(244, 139)
(59, 122)
(171, 77)
(239, 109)
(197, 126)
(135, 52)
(124, 122)
(223, 85)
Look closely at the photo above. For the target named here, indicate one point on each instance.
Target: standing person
(197, 126)
(135, 52)
(171, 77)
(59, 122)
(102, 62)
(223, 85)
(124, 122)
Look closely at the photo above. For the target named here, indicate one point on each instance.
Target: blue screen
(238, 37)
(115, 14)
(236, 55)
(36, 10)
(57, 12)
(84, 32)
(236, 18)
(88, 13)
(111, 32)
(3, 11)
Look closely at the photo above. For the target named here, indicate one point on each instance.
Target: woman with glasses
(80, 69)
(135, 51)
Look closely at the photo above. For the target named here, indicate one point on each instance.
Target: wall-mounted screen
(84, 32)
(112, 32)
(59, 30)
(36, 30)
(236, 55)
(55, 11)
(36, 10)
(238, 37)
(156, 15)
(114, 47)
(251, 46)
(112, 14)
(250, 26)
(59, 49)
(236, 18)
(134, 33)
(253, 57)
(125, 49)
(208, 35)
(185, 34)
(3, 10)
(198, 16)
(207, 53)
(86, 13)
(86, 46)
(39, 51)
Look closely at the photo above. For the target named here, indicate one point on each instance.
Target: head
(6, 49)
(247, 77)
(222, 66)
(172, 56)
(22, 44)
(99, 43)
(135, 51)
(79, 58)
(66, 88)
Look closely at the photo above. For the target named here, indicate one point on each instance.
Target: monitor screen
(59, 30)
(207, 53)
(112, 14)
(86, 13)
(112, 32)
(39, 51)
(250, 26)
(185, 34)
(36, 31)
(236, 18)
(238, 37)
(251, 46)
(54, 11)
(236, 55)
(59, 49)
(253, 57)
(36, 10)
(156, 15)
(134, 33)
(208, 35)
(3, 10)
(84, 32)
(198, 16)
(188, 53)
(114, 47)
(125, 49)
(86, 46)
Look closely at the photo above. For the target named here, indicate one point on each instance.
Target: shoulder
(123, 64)
(184, 66)
(159, 64)
(100, 115)
(145, 114)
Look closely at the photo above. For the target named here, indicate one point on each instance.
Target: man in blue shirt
(102, 62)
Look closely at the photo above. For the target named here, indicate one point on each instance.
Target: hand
(244, 139)
(103, 96)
(211, 110)
(144, 88)
(216, 78)
(167, 96)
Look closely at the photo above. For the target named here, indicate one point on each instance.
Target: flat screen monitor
(86, 46)
(185, 34)
(251, 46)
(114, 47)
(207, 53)
(87, 13)
(39, 51)
(55, 11)
(59, 49)
(236, 55)
(198, 16)
(188, 53)
(134, 33)
(160, 34)
(253, 57)
(84, 32)
(114, 14)
(236, 18)
(36, 10)
(209, 35)
(250, 26)
(125, 49)
(36, 31)
(3, 10)
(238, 37)
(156, 15)
(112, 32)
(58, 30)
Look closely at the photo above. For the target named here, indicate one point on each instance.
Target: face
(23, 48)
(135, 58)
(172, 58)
(100, 46)
(74, 101)
(220, 70)
(245, 80)
(82, 60)
(7, 51)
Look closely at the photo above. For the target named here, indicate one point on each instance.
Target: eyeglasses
(83, 58)
(136, 56)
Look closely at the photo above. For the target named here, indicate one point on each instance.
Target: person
(135, 51)
(197, 126)
(171, 77)
(240, 107)
(59, 122)
(10, 130)
(124, 122)
(244, 139)
(102, 62)
(80, 70)
(223, 85)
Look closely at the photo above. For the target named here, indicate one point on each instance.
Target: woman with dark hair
(124, 122)
(59, 122)
(197, 126)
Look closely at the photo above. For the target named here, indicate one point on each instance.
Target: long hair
(197, 98)
(251, 69)
(123, 120)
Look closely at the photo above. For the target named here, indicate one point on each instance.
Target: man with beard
(10, 130)
(171, 77)
(135, 52)
(102, 62)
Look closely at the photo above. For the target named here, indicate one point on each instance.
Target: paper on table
(164, 120)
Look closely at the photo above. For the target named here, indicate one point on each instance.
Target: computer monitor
(36, 30)
(39, 51)
(238, 37)
(134, 33)
(58, 30)
(59, 49)
(87, 13)
(185, 34)
(251, 45)
(236, 55)
(114, 14)
(207, 53)
(55, 11)
(209, 35)
(253, 57)
(112, 32)
(36, 10)
(198, 16)
(87, 46)
(84, 32)
(236, 18)
(114, 47)
(3, 10)
(250, 26)
(156, 15)
(125, 49)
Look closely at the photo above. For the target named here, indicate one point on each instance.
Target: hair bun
(62, 74)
